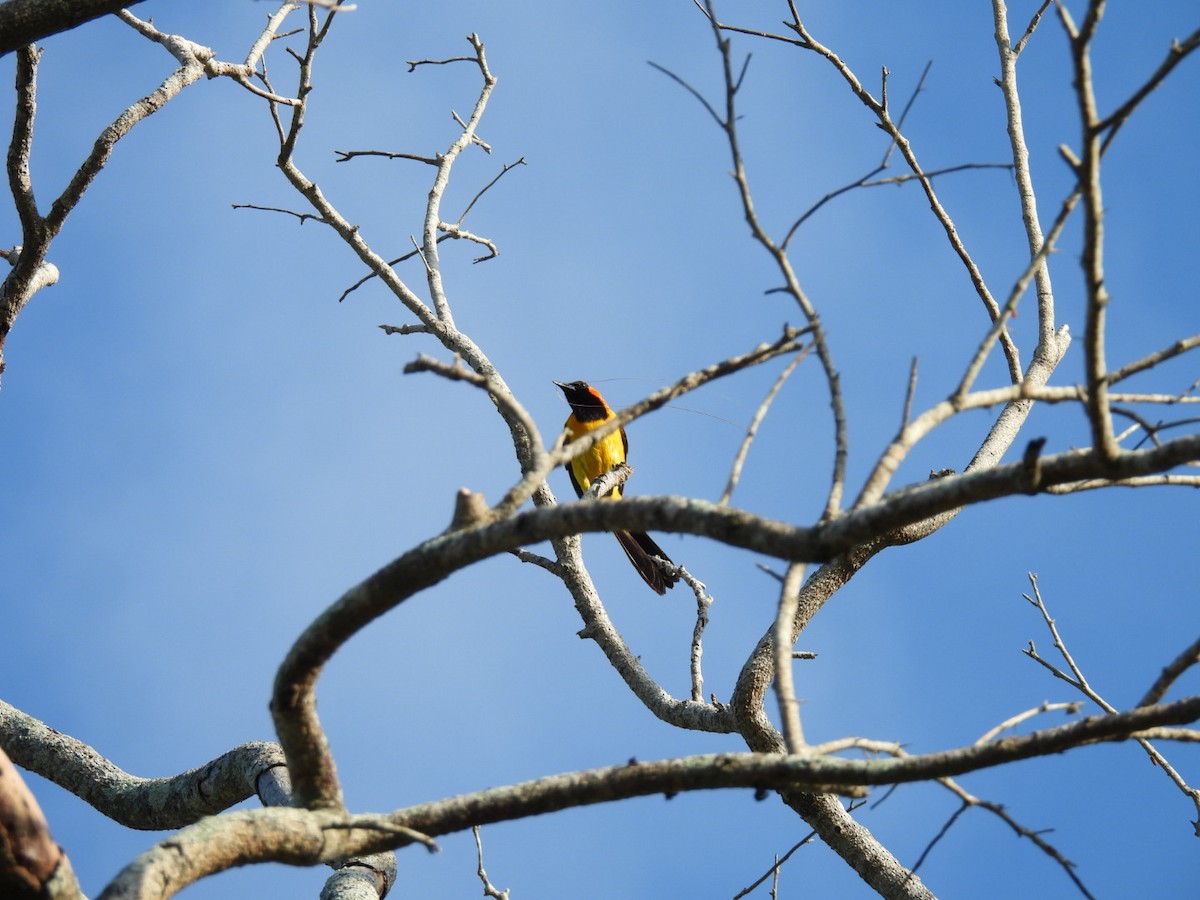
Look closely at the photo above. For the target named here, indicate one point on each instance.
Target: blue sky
(202, 448)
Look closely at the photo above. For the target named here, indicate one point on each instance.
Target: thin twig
(1171, 673)
(727, 121)
(446, 161)
(391, 263)
(773, 872)
(912, 99)
(756, 421)
(942, 832)
(347, 155)
(413, 63)
(1178, 51)
(1080, 682)
(1013, 721)
(301, 216)
(869, 181)
(1031, 27)
(1034, 837)
(489, 890)
(504, 170)
(442, 237)
(909, 394)
(892, 129)
(1150, 361)
(454, 231)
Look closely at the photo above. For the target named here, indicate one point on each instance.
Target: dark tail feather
(639, 548)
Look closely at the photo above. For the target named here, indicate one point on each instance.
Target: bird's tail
(640, 547)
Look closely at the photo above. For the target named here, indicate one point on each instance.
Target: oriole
(589, 411)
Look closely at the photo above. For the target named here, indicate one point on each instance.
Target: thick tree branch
(306, 837)
(144, 803)
(25, 21)
(32, 865)
(294, 698)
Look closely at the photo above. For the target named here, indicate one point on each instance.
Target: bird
(590, 411)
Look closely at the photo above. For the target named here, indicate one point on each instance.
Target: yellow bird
(589, 411)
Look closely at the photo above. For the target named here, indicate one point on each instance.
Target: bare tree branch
(811, 779)
(1088, 172)
(789, 706)
(30, 860)
(727, 121)
(1178, 51)
(489, 890)
(31, 271)
(773, 872)
(305, 836)
(1077, 680)
(1149, 362)
(755, 423)
(703, 601)
(1035, 837)
(892, 129)
(26, 21)
(1170, 674)
(143, 803)
(1038, 244)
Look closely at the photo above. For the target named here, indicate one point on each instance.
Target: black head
(585, 400)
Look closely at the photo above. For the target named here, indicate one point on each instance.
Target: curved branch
(306, 837)
(144, 803)
(293, 703)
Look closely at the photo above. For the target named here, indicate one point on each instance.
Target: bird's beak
(559, 385)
